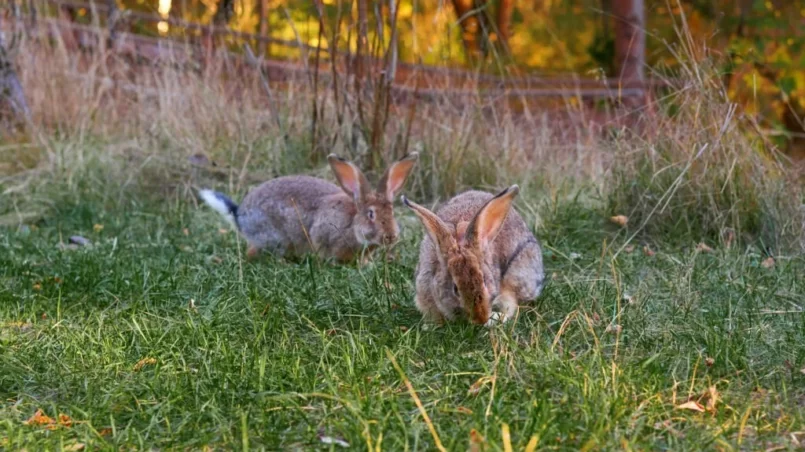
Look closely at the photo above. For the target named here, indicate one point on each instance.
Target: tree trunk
(630, 42)
(263, 28)
(13, 107)
(505, 10)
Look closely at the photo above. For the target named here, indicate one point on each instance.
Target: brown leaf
(620, 220)
(37, 287)
(144, 362)
(403, 328)
(40, 418)
(691, 405)
(614, 328)
(476, 441)
(65, 421)
(712, 399)
(73, 447)
(703, 248)
(105, 431)
(629, 249)
(647, 251)
(709, 361)
(186, 231)
(768, 262)
(464, 410)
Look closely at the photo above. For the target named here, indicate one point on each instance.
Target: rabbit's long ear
(394, 177)
(437, 230)
(487, 223)
(351, 179)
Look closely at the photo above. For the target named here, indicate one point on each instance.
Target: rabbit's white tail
(221, 204)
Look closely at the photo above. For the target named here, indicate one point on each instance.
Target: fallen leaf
(620, 220)
(768, 262)
(554, 276)
(223, 231)
(40, 418)
(44, 316)
(476, 440)
(802, 371)
(614, 328)
(703, 248)
(464, 410)
(186, 231)
(692, 405)
(37, 287)
(105, 431)
(64, 420)
(648, 252)
(403, 328)
(709, 361)
(712, 399)
(97, 227)
(57, 280)
(475, 388)
(73, 447)
(629, 249)
(144, 362)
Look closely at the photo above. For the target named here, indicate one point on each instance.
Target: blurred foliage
(761, 42)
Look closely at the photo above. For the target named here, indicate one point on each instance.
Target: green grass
(275, 352)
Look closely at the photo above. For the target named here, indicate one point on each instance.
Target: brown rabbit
(294, 215)
(479, 259)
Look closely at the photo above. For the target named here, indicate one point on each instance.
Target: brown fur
(483, 247)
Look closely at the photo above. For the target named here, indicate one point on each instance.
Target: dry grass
(695, 167)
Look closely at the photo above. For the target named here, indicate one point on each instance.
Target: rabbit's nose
(389, 239)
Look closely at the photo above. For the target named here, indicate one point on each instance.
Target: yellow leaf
(692, 405)
(507, 437)
(74, 447)
(464, 410)
(97, 227)
(144, 362)
(620, 220)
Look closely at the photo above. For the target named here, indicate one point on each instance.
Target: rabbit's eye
(370, 214)
(455, 289)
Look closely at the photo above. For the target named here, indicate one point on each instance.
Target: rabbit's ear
(486, 224)
(349, 177)
(438, 232)
(394, 177)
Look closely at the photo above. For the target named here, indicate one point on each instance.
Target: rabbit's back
(280, 213)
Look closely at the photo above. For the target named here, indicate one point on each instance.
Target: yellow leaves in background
(144, 362)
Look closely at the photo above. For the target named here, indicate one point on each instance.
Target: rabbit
(294, 215)
(479, 259)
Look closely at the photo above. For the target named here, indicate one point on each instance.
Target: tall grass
(693, 169)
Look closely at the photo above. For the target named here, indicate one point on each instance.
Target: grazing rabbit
(479, 259)
(293, 215)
